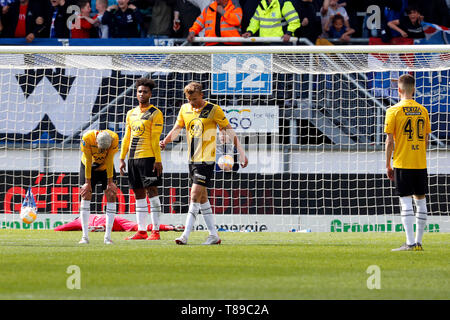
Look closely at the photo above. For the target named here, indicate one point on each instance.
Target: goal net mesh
(311, 124)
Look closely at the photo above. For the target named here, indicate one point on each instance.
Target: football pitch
(246, 266)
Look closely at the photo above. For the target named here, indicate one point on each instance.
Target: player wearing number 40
(408, 127)
(201, 119)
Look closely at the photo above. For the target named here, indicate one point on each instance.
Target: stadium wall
(232, 194)
(260, 161)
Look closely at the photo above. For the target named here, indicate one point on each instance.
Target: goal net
(311, 120)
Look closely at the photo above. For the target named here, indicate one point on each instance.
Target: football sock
(194, 208)
(208, 216)
(141, 214)
(155, 209)
(162, 227)
(421, 218)
(85, 211)
(407, 215)
(110, 213)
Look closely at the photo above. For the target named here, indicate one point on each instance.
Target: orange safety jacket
(229, 24)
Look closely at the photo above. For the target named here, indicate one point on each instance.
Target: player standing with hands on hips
(408, 127)
(97, 166)
(201, 119)
(144, 125)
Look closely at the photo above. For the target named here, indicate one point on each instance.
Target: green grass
(251, 266)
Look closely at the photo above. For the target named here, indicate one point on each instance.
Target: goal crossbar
(103, 50)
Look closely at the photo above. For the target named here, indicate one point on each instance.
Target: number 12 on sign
(241, 74)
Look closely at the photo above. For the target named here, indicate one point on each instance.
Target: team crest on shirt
(195, 128)
(137, 128)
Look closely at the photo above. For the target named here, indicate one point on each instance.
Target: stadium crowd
(316, 20)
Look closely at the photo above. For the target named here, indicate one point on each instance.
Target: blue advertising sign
(241, 74)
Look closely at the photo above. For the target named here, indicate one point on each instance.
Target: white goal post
(310, 118)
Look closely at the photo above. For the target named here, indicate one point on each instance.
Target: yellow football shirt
(201, 130)
(409, 122)
(92, 155)
(142, 133)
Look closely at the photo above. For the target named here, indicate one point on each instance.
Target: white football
(28, 214)
(226, 162)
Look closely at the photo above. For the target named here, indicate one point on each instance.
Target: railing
(161, 41)
(278, 40)
(242, 40)
(93, 42)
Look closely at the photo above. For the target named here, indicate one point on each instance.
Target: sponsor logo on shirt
(412, 111)
(138, 128)
(196, 128)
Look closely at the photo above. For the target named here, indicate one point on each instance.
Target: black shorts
(409, 182)
(201, 173)
(96, 176)
(141, 174)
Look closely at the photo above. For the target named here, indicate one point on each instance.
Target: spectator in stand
(409, 26)
(433, 11)
(448, 12)
(394, 10)
(56, 19)
(93, 9)
(248, 10)
(83, 22)
(102, 29)
(124, 20)
(184, 15)
(269, 18)
(108, 3)
(310, 23)
(161, 23)
(336, 29)
(23, 19)
(4, 6)
(222, 18)
(5, 3)
(146, 11)
(329, 9)
(352, 7)
(318, 4)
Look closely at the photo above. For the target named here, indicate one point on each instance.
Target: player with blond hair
(97, 166)
(201, 118)
(407, 126)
